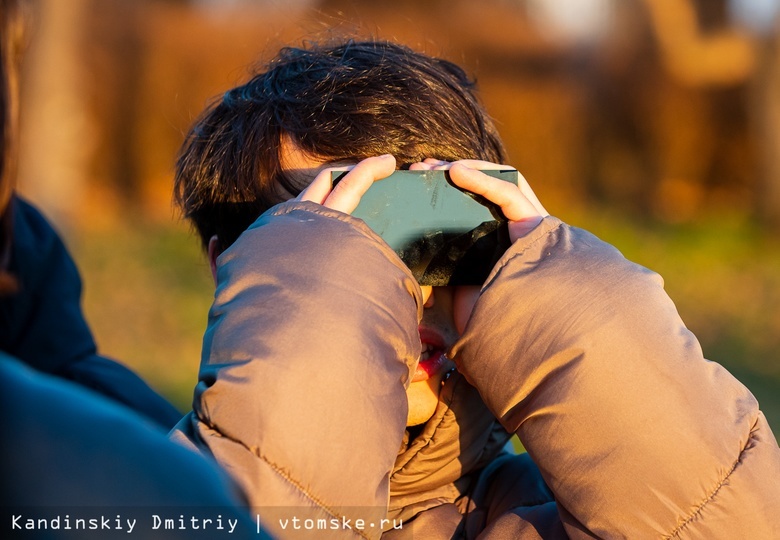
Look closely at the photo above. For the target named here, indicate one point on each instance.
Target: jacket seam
(286, 476)
(698, 510)
(281, 472)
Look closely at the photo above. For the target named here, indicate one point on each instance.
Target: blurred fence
(668, 108)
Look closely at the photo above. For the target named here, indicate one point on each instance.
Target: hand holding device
(456, 243)
(518, 203)
(445, 235)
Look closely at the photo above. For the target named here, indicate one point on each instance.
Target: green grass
(148, 289)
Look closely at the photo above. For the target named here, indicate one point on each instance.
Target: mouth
(432, 359)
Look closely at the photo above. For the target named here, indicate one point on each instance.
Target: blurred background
(653, 123)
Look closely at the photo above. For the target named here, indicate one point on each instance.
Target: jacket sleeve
(308, 350)
(583, 355)
(42, 324)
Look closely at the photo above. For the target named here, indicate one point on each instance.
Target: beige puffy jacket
(309, 347)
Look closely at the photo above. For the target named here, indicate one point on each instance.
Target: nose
(427, 292)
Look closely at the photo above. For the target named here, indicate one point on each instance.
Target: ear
(214, 252)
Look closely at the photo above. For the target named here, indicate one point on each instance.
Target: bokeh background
(653, 123)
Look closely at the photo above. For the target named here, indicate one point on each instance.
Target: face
(446, 311)
(444, 316)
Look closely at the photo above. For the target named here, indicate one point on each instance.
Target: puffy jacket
(301, 392)
(68, 454)
(309, 347)
(583, 355)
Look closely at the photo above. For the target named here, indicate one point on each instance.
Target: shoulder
(36, 245)
(30, 226)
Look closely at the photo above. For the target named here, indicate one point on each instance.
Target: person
(323, 356)
(75, 462)
(41, 322)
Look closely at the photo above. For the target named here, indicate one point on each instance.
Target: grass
(148, 289)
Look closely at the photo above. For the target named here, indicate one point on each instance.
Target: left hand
(518, 203)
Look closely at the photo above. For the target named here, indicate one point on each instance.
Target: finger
(523, 184)
(434, 161)
(525, 189)
(421, 166)
(321, 186)
(346, 195)
(473, 164)
(513, 203)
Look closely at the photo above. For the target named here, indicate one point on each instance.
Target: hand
(518, 203)
(346, 195)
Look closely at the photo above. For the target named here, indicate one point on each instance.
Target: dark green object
(445, 235)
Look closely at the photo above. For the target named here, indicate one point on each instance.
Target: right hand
(347, 193)
(518, 203)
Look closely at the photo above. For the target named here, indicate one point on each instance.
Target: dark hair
(347, 101)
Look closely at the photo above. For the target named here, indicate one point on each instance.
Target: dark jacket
(43, 326)
(67, 454)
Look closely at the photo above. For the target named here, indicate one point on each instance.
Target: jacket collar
(461, 437)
